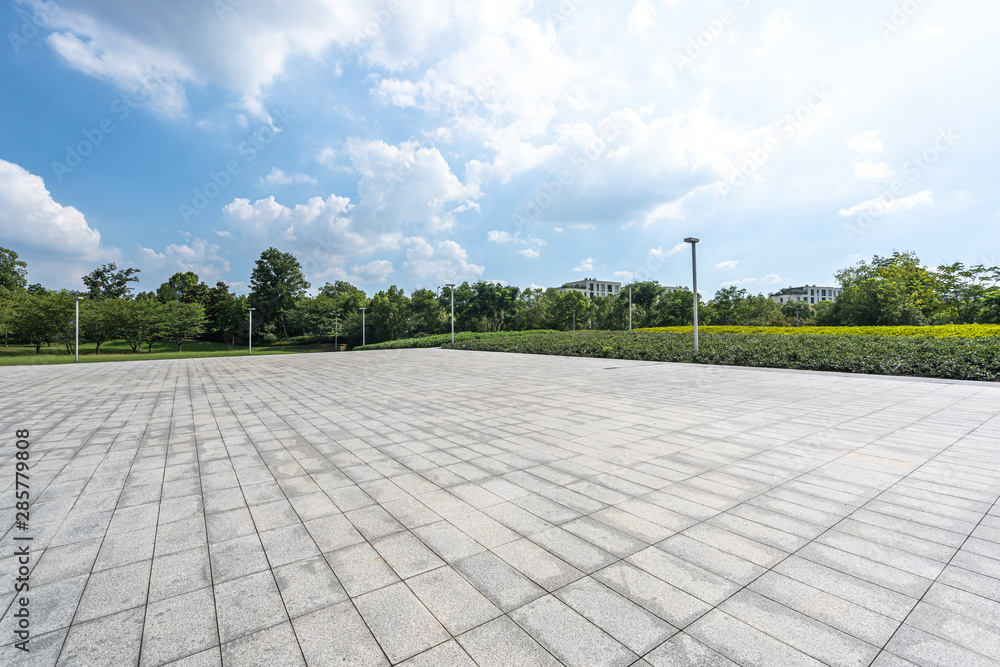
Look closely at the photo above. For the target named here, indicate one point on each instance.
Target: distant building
(808, 293)
(591, 287)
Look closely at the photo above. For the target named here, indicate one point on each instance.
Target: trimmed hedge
(437, 340)
(938, 331)
(922, 356)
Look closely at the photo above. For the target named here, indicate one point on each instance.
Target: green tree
(388, 315)
(276, 282)
(428, 316)
(232, 320)
(213, 301)
(13, 274)
(989, 307)
(182, 322)
(495, 304)
(185, 287)
(42, 318)
(888, 291)
(674, 309)
(110, 282)
(140, 320)
(100, 320)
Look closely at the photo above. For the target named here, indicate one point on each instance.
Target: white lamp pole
(362, 326)
(630, 307)
(77, 348)
(574, 320)
(250, 339)
(694, 287)
(452, 286)
(336, 333)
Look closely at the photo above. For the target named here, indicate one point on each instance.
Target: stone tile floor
(434, 507)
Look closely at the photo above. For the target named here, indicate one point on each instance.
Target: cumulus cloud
(375, 271)
(642, 17)
(883, 206)
(585, 265)
(727, 266)
(278, 177)
(39, 227)
(865, 142)
(446, 262)
(197, 256)
(530, 253)
(495, 236)
(626, 276)
(871, 170)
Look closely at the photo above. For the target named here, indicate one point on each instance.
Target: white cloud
(494, 236)
(39, 227)
(586, 265)
(865, 142)
(530, 253)
(376, 271)
(871, 170)
(626, 276)
(659, 252)
(642, 17)
(883, 206)
(278, 177)
(444, 263)
(198, 256)
(727, 266)
(769, 279)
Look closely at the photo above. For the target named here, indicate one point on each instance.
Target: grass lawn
(18, 355)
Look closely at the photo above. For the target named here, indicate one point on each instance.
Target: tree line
(890, 290)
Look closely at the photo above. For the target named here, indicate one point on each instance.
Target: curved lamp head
(691, 239)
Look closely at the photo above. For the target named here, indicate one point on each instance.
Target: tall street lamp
(630, 307)
(336, 332)
(694, 286)
(76, 349)
(362, 326)
(452, 286)
(574, 320)
(250, 336)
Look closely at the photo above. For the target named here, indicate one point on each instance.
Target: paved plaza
(439, 507)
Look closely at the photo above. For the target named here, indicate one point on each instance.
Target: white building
(809, 293)
(591, 287)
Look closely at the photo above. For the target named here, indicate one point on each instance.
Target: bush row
(437, 340)
(940, 331)
(923, 356)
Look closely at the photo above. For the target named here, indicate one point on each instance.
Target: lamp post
(250, 334)
(797, 309)
(362, 326)
(76, 349)
(452, 286)
(630, 307)
(694, 286)
(336, 332)
(574, 320)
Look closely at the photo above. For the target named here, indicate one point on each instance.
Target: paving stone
(744, 644)
(360, 569)
(683, 650)
(178, 627)
(307, 585)
(668, 602)
(180, 572)
(111, 591)
(248, 604)
(571, 638)
(537, 564)
(400, 623)
(449, 654)
(686, 576)
(627, 622)
(503, 585)
(108, 641)
(406, 555)
(501, 643)
(352, 643)
(447, 541)
(333, 532)
(454, 601)
(274, 646)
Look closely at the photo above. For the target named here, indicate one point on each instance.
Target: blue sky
(419, 143)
